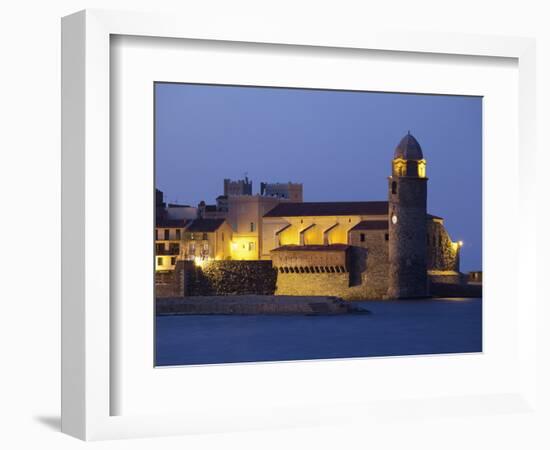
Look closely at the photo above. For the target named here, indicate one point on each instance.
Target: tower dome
(408, 149)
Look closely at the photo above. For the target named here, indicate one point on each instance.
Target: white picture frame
(87, 328)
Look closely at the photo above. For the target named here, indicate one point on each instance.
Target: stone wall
(365, 275)
(446, 277)
(441, 251)
(167, 284)
(351, 272)
(329, 284)
(260, 278)
(230, 278)
(376, 276)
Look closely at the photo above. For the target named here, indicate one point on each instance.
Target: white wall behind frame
(144, 389)
(30, 33)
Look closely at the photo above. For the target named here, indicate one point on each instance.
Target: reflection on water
(399, 327)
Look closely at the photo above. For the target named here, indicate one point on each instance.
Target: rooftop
(204, 225)
(312, 248)
(371, 225)
(170, 223)
(408, 148)
(329, 209)
(177, 205)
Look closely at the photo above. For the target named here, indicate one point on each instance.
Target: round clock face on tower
(394, 219)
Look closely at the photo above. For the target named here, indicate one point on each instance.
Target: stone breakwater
(255, 304)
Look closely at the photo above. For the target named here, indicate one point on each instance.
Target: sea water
(396, 327)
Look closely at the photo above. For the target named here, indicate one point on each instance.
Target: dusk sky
(339, 144)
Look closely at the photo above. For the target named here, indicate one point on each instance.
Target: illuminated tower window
(422, 168)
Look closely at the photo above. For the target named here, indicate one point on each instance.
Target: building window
(204, 236)
(166, 235)
(250, 246)
(156, 234)
(422, 169)
(223, 238)
(159, 261)
(394, 187)
(178, 234)
(252, 227)
(362, 237)
(173, 261)
(387, 237)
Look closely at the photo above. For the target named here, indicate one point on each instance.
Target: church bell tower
(407, 221)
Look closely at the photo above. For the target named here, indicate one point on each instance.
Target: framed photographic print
(261, 273)
(253, 217)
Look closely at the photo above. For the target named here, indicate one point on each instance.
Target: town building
(238, 187)
(160, 206)
(206, 239)
(195, 240)
(174, 211)
(289, 191)
(245, 215)
(168, 240)
(205, 211)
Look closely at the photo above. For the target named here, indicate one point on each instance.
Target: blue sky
(339, 144)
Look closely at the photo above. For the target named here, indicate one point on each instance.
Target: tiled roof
(371, 225)
(312, 248)
(171, 223)
(177, 205)
(204, 225)
(329, 209)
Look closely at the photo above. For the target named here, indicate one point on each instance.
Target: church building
(377, 249)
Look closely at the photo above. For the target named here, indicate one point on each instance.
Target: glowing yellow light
(460, 243)
(200, 262)
(422, 168)
(233, 246)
